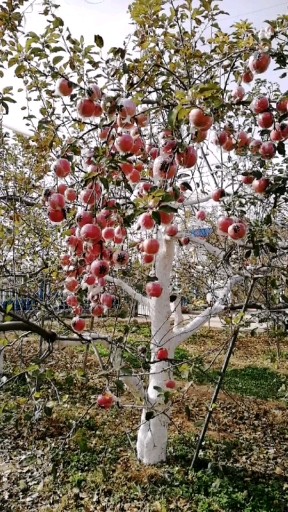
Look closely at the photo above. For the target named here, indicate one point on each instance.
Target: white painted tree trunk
(153, 432)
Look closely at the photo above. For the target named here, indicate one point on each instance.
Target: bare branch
(48, 336)
(198, 200)
(129, 290)
(13, 326)
(183, 333)
(208, 247)
(19, 199)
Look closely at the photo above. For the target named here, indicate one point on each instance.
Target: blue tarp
(202, 232)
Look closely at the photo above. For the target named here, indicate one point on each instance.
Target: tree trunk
(153, 432)
(152, 438)
(155, 420)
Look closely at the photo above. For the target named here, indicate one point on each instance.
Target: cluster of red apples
(98, 235)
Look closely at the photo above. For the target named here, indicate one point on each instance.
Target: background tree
(143, 140)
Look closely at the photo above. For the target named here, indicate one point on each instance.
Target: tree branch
(185, 332)
(129, 290)
(208, 247)
(25, 324)
(193, 202)
(20, 199)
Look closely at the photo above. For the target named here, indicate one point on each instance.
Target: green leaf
(8, 318)
(57, 59)
(119, 385)
(99, 41)
(238, 318)
(5, 106)
(172, 116)
(167, 396)
(184, 370)
(33, 35)
(187, 412)
(32, 368)
(168, 209)
(9, 307)
(48, 410)
(151, 279)
(156, 217)
(12, 61)
(80, 438)
(20, 70)
(9, 99)
(281, 148)
(58, 22)
(7, 90)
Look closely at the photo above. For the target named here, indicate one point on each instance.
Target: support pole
(220, 379)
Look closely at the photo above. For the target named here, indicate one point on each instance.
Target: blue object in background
(202, 232)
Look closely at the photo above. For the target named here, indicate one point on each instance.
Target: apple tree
(175, 130)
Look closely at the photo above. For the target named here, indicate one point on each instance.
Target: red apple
(259, 62)
(201, 215)
(154, 289)
(91, 232)
(218, 194)
(56, 216)
(64, 87)
(261, 185)
(187, 158)
(260, 104)
(56, 201)
(267, 150)
(265, 120)
(170, 384)
(147, 259)
(78, 324)
(100, 268)
(151, 246)
(62, 167)
(97, 310)
(94, 92)
(224, 223)
(107, 300)
(146, 221)
(237, 230)
(124, 143)
(162, 354)
(282, 105)
(247, 76)
(171, 230)
(105, 401)
(248, 179)
(86, 108)
(166, 218)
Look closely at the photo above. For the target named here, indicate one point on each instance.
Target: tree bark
(153, 432)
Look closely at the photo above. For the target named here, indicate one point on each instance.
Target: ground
(60, 452)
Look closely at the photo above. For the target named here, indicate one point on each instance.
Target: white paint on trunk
(152, 439)
(183, 333)
(129, 290)
(153, 432)
(176, 310)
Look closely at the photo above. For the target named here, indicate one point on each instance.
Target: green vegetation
(80, 458)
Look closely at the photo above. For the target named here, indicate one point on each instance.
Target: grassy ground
(59, 452)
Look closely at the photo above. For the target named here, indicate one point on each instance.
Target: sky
(110, 19)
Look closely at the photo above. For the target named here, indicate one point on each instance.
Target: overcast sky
(110, 19)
